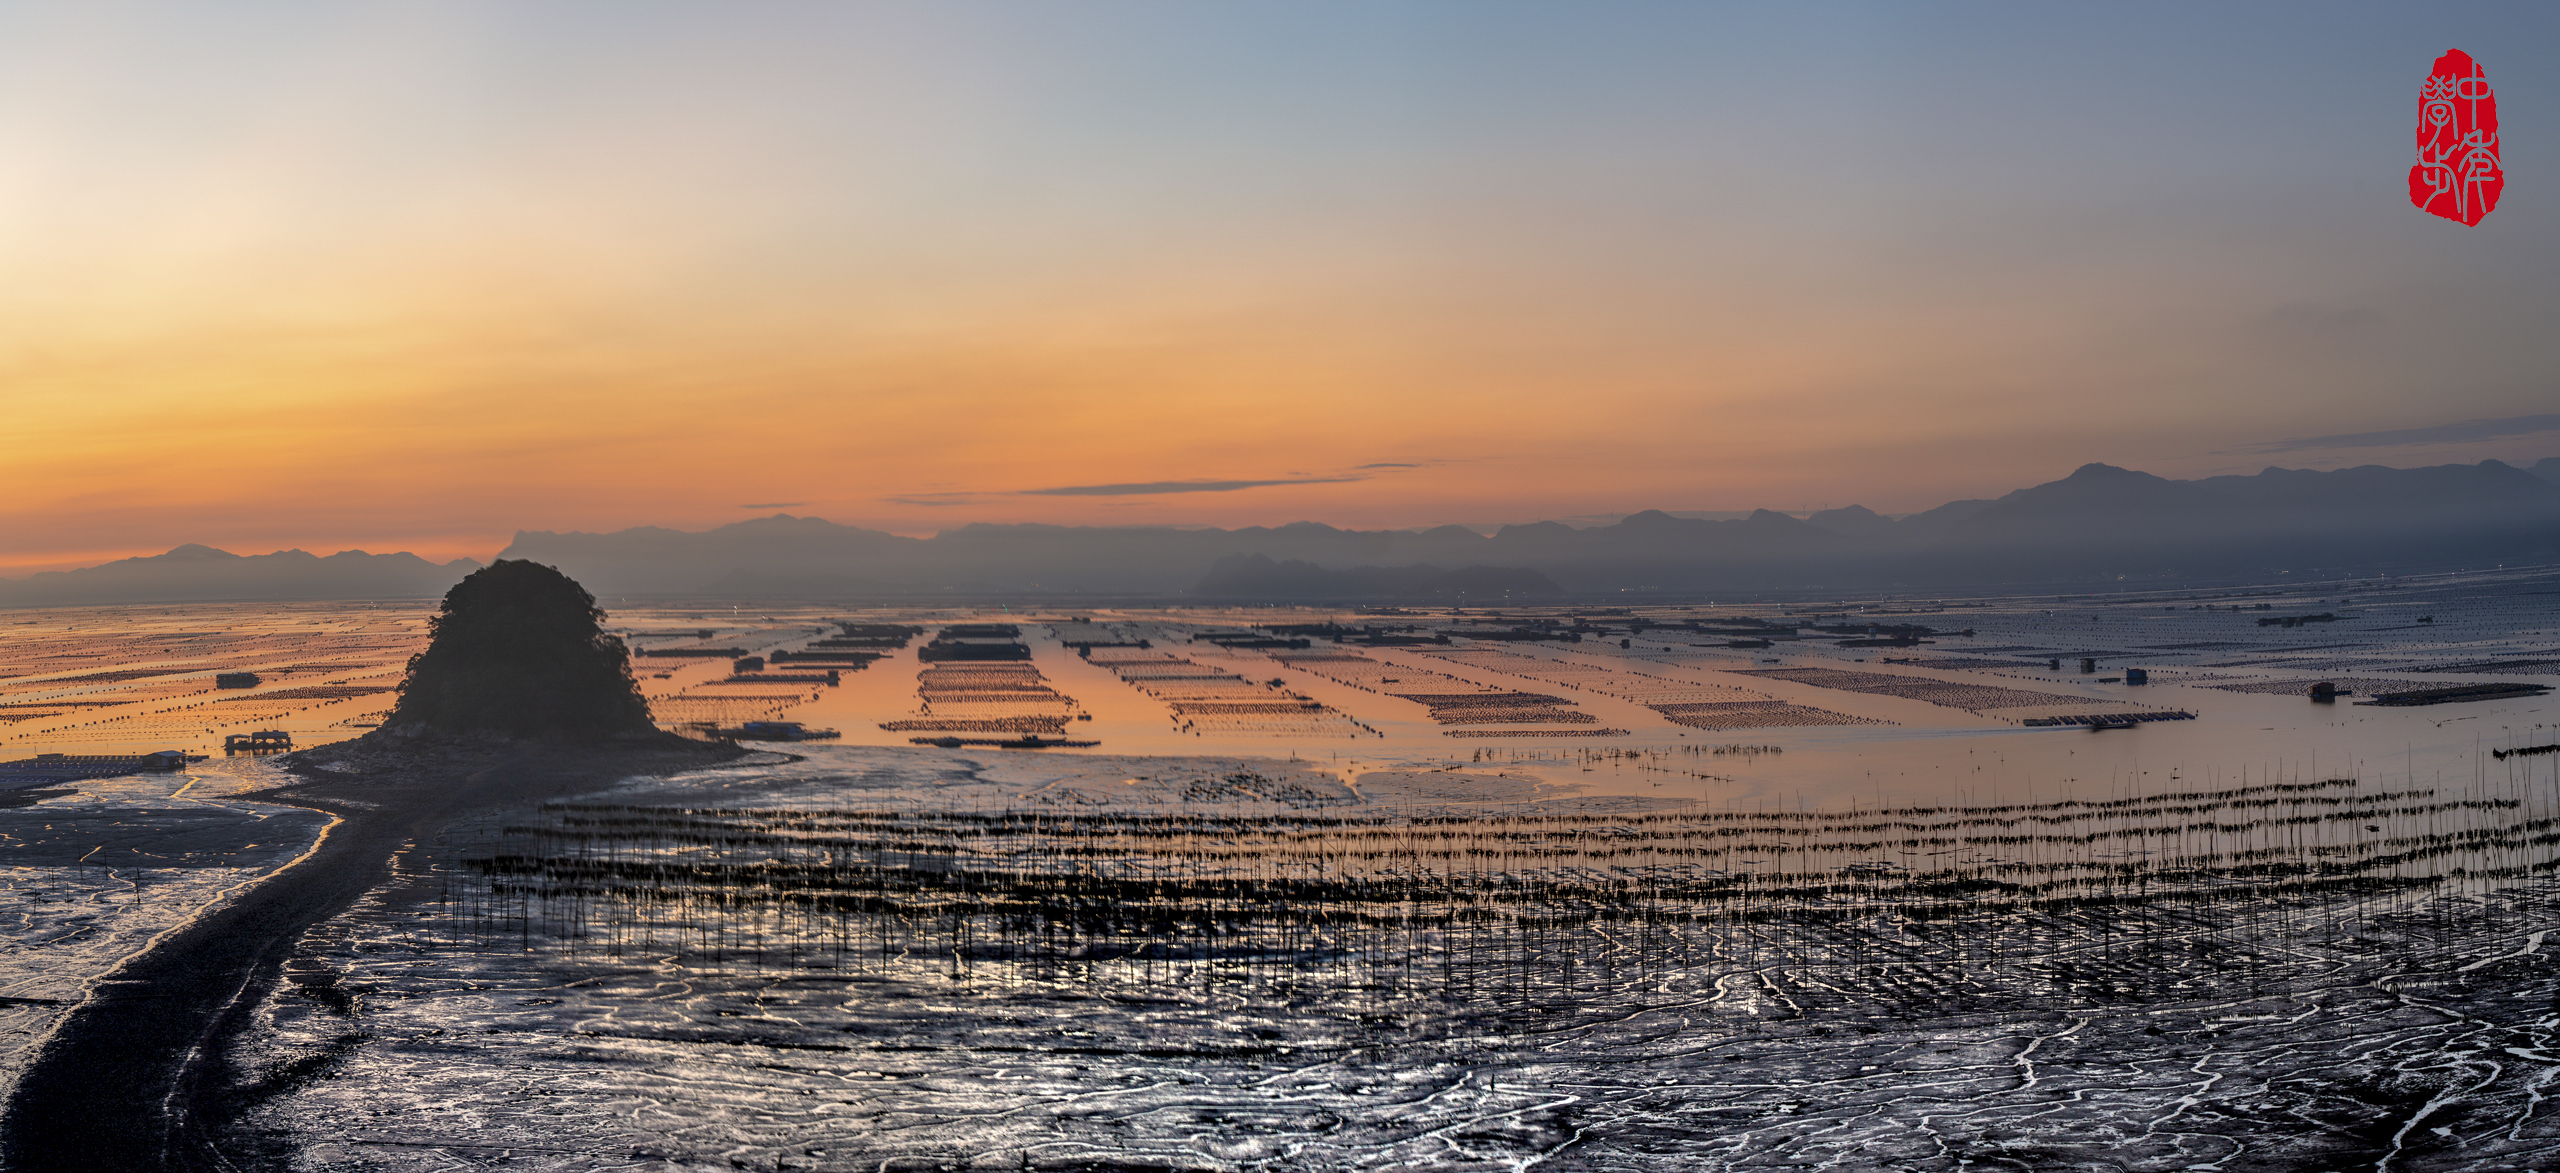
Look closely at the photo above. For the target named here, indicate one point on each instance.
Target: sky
(417, 276)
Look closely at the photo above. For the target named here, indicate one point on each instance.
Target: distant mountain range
(193, 573)
(2101, 524)
(2095, 525)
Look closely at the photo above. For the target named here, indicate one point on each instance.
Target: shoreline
(138, 1075)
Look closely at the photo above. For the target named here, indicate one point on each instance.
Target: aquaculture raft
(2108, 720)
(57, 767)
(1027, 741)
(2504, 690)
(774, 731)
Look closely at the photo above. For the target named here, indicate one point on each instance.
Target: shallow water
(1927, 754)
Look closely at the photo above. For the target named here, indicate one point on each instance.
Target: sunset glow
(418, 276)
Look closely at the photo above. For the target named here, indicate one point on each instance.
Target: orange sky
(415, 277)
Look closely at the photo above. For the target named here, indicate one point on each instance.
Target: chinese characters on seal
(2457, 175)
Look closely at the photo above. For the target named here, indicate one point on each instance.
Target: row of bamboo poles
(2052, 902)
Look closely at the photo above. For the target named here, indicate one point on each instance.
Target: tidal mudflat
(1826, 903)
(920, 959)
(97, 870)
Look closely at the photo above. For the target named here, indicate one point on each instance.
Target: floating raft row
(1032, 742)
(2109, 719)
(1535, 732)
(59, 767)
(2452, 694)
(773, 731)
(824, 659)
(2526, 752)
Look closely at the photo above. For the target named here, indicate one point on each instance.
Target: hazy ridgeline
(2094, 526)
(1417, 919)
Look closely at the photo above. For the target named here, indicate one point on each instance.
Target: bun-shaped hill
(519, 649)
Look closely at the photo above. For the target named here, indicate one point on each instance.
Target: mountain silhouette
(2099, 524)
(194, 573)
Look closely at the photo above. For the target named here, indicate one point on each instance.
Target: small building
(262, 741)
(235, 680)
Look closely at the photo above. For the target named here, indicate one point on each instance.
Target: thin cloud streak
(2456, 433)
(1151, 488)
(776, 505)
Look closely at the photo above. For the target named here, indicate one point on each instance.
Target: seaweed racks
(58, 767)
(1696, 704)
(2058, 904)
(1203, 696)
(1453, 701)
(2453, 694)
(986, 697)
(2112, 720)
(2367, 685)
(737, 699)
(1952, 694)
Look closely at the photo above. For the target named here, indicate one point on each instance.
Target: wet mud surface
(709, 1022)
(138, 1075)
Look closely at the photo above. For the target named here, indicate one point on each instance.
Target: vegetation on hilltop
(518, 649)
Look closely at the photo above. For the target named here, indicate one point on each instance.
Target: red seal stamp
(2457, 176)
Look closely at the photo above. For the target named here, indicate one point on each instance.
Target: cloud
(2467, 430)
(776, 505)
(934, 499)
(1150, 488)
(1388, 465)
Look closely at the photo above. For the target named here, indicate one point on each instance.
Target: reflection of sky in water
(155, 821)
(1929, 754)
